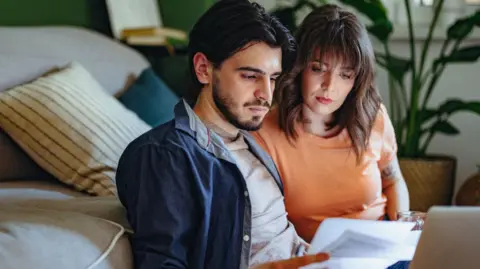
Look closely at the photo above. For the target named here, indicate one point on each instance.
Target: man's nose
(264, 90)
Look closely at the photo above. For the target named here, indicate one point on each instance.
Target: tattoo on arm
(392, 170)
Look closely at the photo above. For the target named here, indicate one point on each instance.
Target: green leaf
(445, 128)
(426, 114)
(460, 29)
(381, 29)
(476, 18)
(397, 67)
(464, 55)
(455, 105)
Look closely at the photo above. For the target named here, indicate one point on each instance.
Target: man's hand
(294, 263)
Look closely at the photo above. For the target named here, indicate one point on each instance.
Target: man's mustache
(258, 102)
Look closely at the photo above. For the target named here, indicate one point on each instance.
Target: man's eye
(246, 76)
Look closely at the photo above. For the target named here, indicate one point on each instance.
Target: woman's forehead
(334, 57)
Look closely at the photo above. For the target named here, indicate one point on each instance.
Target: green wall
(175, 13)
(92, 13)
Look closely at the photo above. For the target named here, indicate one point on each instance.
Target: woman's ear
(203, 68)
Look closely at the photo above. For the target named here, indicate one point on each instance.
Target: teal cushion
(150, 98)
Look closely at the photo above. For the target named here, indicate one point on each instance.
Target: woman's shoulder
(381, 119)
(270, 122)
(383, 129)
(270, 131)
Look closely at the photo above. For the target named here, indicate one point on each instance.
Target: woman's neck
(317, 124)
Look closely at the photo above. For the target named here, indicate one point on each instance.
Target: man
(198, 191)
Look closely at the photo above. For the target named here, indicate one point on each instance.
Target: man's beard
(224, 104)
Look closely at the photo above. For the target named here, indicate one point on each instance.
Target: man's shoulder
(165, 136)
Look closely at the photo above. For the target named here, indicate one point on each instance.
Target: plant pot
(430, 180)
(469, 192)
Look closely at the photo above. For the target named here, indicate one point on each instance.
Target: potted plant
(430, 178)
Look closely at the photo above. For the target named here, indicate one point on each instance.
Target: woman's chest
(329, 178)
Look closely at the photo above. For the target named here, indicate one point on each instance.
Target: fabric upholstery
(150, 98)
(58, 239)
(28, 52)
(15, 164)
(71, 127)
(34, 189)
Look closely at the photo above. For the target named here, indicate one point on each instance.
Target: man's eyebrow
(256, 70)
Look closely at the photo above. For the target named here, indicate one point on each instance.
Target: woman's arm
(395, 188)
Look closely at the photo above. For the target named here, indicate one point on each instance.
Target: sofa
(63, 127)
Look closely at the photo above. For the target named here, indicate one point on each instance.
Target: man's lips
(258, 109)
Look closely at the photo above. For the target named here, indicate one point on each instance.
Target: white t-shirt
(273, 236)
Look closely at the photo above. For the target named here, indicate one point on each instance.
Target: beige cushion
(108, 208)
(71, 127)
(25, 190)
(47, 239)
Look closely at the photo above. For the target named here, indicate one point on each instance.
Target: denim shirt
(185, 198)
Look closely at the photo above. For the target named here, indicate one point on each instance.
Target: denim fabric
(400, 265)
(185, 198)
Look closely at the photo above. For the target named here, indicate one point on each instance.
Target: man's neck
(316, 124)
(209, 114)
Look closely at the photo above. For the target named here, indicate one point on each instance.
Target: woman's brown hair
(339, 35)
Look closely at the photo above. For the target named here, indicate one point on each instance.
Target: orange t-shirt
(321, 176)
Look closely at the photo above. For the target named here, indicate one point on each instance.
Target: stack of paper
(363, 244)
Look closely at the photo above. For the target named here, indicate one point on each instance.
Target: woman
(329, 135)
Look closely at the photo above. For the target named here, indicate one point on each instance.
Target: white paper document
(363, 243)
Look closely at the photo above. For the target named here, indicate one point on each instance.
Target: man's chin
(250, 126)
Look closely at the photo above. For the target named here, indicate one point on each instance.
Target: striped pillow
(71, 127)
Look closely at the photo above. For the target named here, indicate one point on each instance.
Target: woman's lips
(324, 100)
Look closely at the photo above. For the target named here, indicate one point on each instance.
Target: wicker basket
(469, 192)
(430, 180)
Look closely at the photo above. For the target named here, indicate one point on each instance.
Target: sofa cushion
(71, 127)
(15, 164)
(50, 239)
(27, 52)
(150, 98)
(27, 190)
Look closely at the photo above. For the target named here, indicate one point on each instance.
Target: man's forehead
(260, 56)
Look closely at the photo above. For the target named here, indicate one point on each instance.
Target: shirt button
(246, 238)
(246, 193)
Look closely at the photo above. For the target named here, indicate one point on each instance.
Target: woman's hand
(294, 263)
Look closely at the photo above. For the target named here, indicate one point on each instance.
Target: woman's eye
(346, 76)
(318, 69)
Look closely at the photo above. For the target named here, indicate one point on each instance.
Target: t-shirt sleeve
(389, 144)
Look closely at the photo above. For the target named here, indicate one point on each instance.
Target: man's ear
(203, 68)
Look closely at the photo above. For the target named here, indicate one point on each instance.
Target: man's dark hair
(228, 26)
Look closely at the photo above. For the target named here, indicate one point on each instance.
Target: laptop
(450, 239)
